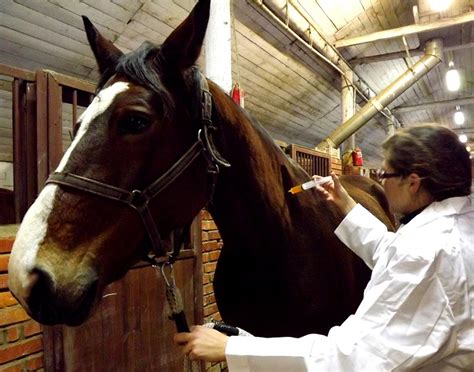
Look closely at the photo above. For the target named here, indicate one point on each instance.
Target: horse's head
(73, 241)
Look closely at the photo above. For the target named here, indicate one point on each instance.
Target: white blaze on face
(34, 225)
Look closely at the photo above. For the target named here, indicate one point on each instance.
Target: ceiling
(294, 93)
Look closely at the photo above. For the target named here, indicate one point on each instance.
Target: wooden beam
(433, 104)
(406, 30)
(402, 54)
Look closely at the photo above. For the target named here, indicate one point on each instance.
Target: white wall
(6, 175)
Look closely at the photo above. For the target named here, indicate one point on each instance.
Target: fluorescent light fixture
(440, 5)
(463, 138)
(453, 80)
(459, 116)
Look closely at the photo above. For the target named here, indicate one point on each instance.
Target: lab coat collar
(446, 207)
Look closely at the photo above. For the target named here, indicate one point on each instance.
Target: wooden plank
(73, 82)
(42, 128)
(13, 28)
(17, 72)
(45, 59)
(19, 135)
(55, 143)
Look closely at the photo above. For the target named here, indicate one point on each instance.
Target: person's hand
(203, 343)
(336, 193)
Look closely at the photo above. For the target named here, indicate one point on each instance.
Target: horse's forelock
(143, 67)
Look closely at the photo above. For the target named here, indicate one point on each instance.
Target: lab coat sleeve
(364, 234)
(401, 323)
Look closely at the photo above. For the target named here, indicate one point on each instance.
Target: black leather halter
(140, 199)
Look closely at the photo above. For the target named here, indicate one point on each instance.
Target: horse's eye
(133, 124)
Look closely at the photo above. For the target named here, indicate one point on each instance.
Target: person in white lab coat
(418, 307)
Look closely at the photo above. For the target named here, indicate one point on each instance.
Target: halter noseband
(140, 199)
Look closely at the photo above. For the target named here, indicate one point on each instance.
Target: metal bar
(432, 57)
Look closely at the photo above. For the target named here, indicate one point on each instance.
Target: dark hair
(434, 153)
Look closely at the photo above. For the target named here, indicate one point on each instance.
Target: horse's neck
(250, 200)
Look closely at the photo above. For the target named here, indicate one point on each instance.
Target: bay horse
(281, 270)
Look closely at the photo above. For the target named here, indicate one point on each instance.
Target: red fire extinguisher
(237, 95)
(357, 159)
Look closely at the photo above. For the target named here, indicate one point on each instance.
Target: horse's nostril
(42, 296)
(49, 304)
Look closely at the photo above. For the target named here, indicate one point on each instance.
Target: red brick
(12, 315)
(205, 279)
(209, 267)
(20, 349)
(208, 225)
(205, 215)
(211, 309)
(208, 288)
(31, 328)
(16, 366)
(210, 299)
(7, 299)
(6, 244)
(209, 246)
(13, 334)
(3, 281)
(214, 255)
(205, 257)
(204, 236)
(4, 262)
(214, 235)
(34, 362)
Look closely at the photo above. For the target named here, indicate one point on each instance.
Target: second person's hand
(336, 193)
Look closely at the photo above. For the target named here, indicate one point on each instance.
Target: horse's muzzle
(49, 305)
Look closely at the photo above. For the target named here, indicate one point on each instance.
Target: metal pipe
(331, 55)
(433, 56)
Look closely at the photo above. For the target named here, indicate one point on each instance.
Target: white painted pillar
(218, 45)
(348, 106)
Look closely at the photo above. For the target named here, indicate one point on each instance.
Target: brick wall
(21, 341)
(211, 248)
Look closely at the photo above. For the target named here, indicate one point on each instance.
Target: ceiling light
(468, 148)
(453, 80)
(463, 138)
(459, 116)
(440, 5)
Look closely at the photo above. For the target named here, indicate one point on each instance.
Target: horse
(161, 138)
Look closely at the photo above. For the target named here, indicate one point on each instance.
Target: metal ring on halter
(170, 282)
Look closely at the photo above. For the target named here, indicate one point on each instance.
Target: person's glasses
(381, 175)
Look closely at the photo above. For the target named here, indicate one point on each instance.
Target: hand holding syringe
(309, 185)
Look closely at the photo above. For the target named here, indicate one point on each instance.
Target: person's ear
(414, 182)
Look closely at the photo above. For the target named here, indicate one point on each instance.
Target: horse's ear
(105, 52)
(182, 48)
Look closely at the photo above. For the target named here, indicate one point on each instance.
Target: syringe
(309, 185)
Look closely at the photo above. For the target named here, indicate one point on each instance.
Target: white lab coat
(418, 307)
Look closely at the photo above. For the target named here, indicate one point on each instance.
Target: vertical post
(348, 105)
(390, 125)
(218, 45)
(55, 124)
